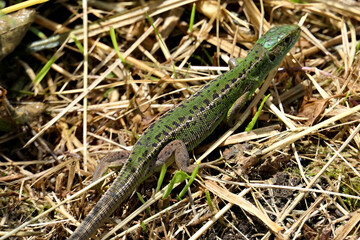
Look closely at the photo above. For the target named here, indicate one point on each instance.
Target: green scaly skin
(192, 121)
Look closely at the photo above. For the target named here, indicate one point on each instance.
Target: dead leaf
(311, 109)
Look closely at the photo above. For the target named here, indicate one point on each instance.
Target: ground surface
(305, 182)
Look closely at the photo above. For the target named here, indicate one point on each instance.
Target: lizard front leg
(235, 109)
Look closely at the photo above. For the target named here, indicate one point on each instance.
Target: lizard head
(278, 41)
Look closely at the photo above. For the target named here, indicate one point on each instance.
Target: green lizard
(190, 122)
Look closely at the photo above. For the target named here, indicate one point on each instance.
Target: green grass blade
(192, 18)
(161, 177)
(37, 32)
(115, 44)
(142, 201)
(208, 200)
(78, 44)
(192, 178)
(155, 29)
(40, 76)
(143, 226)
(178, 177)
(251, 125)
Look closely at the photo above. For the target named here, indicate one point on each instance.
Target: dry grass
(296, 176)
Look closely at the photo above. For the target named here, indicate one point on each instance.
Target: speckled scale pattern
(192, 120)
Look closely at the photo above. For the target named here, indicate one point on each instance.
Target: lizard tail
(122, 187)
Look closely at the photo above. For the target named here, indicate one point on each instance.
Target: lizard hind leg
(112, 160)
(175, 151)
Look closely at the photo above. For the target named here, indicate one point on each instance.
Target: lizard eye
(287, 39)
(272, 57)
